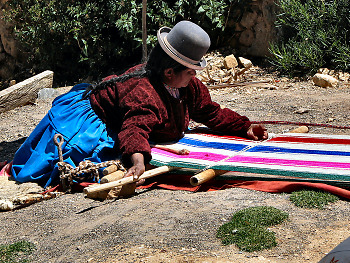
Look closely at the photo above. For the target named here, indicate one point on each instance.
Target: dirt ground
(178, 226)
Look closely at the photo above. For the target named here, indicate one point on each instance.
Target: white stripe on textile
(298, 156)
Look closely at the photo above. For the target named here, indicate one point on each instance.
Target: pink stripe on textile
(283, 162)
(213, 157)
(310, 140)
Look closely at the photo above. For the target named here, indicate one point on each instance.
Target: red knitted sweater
(139, 112)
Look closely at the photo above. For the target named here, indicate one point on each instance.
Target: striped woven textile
(296, 155)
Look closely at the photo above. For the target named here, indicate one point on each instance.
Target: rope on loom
(86, 170)
(302, 124)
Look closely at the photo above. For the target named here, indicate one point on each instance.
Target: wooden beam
(128, 180)
(25, 92)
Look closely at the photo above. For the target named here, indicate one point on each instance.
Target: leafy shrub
(81, 38)
(314, 34)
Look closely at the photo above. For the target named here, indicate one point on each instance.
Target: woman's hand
(138, 166)
(257, 132)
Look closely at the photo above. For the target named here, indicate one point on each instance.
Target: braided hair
(157, 62)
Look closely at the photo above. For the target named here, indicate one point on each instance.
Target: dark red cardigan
(139, 112)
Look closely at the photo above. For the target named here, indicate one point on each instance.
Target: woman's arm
(141, 109)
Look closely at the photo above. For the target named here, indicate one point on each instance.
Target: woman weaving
(119, 116)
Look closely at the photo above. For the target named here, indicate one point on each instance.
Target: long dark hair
(157, 62)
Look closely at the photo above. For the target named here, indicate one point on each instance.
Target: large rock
(324, 80)
(230, 62)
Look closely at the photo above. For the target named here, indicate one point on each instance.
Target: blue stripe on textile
(214, 145)
(262, 148)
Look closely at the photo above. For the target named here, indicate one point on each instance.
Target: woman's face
(180, 79)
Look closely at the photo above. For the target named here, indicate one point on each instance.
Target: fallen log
(25, 92)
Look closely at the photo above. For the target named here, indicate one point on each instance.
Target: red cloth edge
(5, 169)
(285, 187)
(181, 182)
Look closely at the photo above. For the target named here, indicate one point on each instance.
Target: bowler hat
(186, 43)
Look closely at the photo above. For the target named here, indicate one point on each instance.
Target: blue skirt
(86, 137)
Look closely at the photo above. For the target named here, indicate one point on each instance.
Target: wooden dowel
(205, 176)
(110, 169)
(172, 149)
(113, 176)
(128, 180)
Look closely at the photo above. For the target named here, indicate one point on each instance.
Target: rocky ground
(179, 226)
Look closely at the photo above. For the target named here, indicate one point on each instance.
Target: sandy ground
(178, 226)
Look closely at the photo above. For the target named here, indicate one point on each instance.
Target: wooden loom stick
(171, 149)
(205, 176)
(113, 176)
(110, 169)
(128, 180)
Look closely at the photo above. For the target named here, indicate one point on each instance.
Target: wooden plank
(25, 92)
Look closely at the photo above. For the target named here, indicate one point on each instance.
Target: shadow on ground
(8, 149)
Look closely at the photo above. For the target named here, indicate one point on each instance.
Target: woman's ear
(169, 73)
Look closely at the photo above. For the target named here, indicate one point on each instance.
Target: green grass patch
(312, 199)
(251, 238)
(15, 253)
(247, 228)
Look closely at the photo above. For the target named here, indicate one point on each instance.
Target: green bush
(95, 38)
(314, 34)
